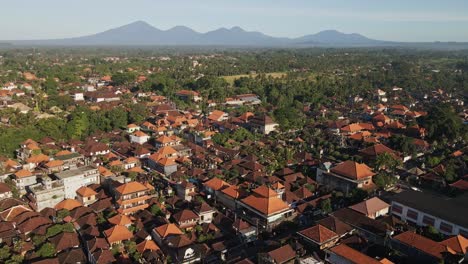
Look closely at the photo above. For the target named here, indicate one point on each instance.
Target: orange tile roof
(147, 245)
(23, 173)
(38, 158)
(319, 234)
(118, 233)
(353, 255)
(264, 191)
(131, 187)
(168, 229)
(167, 150)
(216, 115)
(85, 192)
(231, 191)
(267, 206)
(139, 133)
(216, 184)
(458, 243)
(54, 163)
(105, 171)
(120, 219)
(164, 139)
(353, 170)
(68, 204)
(423, 244)
(167, 161)
(63, 153)
(370, 206)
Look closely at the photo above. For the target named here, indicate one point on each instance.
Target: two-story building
(131, 197)
(347, 176)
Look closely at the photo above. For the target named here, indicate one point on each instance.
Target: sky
(395, 20)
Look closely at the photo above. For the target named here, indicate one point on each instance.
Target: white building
(448, 215)
(74, 179)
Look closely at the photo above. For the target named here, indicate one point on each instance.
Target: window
(412, 214)
(427, 220)
(446, 227)
(397, 209)
(464, 232)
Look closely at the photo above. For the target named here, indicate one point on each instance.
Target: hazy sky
(399, 20)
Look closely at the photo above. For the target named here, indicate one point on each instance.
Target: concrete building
(46, 194)
(447, 215)
(74, 179)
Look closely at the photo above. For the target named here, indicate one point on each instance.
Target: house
(22, 179)
(5, 191)
(165, 141)
(343, 254)
(86, 195)
(448, 215)
(71, 160)
(218, 116)
(459, 244)
(264, 208)
(420, 249)
(188, 95)
(185, 190)
(205, 213)
(131, 197)
(117, 234)
(186, 219)
(347, 176)
(54, 166)
(76, 178)
(132, 128)
(139, 137)
(262, 124)
(372, 208)
(281, 255)
(319, 236)
(165, 231)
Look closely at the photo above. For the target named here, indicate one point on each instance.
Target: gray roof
(453, 210)
(74, 172)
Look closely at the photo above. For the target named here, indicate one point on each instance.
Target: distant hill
(141, 33)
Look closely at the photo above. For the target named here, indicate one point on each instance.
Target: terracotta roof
(147, 245)
(458, 243)
(23, 173)
(282, 254)
(232, 191)
(167, 150)
(216, 115)
(216, 184)
(168, 229)
(85, 192)
(185, 215)
(421, 243)
(64, 241)
(370, 206)
(139, 133)
(53, 163)
(264, 191)
(353, 255)
(68, 204)
(265, 205)
(352, 170)
(376, 150)
(118, 233)
(319, 234)
(120, 219)
(131, 187)
(335, 225)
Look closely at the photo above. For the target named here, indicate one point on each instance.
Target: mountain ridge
(140, 33)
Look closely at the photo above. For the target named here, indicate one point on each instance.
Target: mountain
(140, 33)
(333, 37)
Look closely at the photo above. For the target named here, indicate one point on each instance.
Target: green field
(230, 79)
